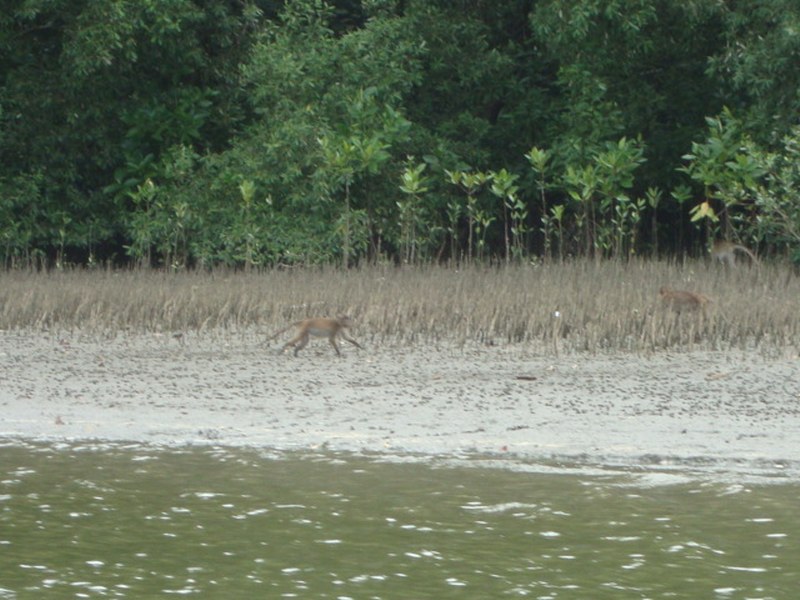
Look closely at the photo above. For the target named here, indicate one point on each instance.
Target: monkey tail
(749, 253)
(277, 333)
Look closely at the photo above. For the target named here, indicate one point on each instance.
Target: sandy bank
(733, 410)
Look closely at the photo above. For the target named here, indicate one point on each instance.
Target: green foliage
(615, 167)
(326, 138)
(413, 185)
(628, 68)
(539, 160)
(727, 171)
(478, 218)
(557, 213)
(20, 229)
(776, 194)
(504, 188)
(243, 237)
(607, 215)
(354, 152)
(757, 187)
(757, 65)
(92, 95)
(652, 198)
(178, 133)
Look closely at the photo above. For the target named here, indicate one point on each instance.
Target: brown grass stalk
(600, 305)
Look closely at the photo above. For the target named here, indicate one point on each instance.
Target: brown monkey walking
(318, 327)
(683, 301)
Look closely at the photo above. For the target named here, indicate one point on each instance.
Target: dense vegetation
(263, 132)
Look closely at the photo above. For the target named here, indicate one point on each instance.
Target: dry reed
(582, 305)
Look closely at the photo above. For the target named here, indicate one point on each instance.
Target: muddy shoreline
(727, 411)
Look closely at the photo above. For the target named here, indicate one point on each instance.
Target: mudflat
(731, 410)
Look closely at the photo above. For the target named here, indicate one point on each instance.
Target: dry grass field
(575, 306)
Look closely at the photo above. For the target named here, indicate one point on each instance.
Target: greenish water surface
(117, 521)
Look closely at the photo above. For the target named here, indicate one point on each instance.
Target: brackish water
(116, 521)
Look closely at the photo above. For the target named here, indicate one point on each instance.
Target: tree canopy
(202, 132)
